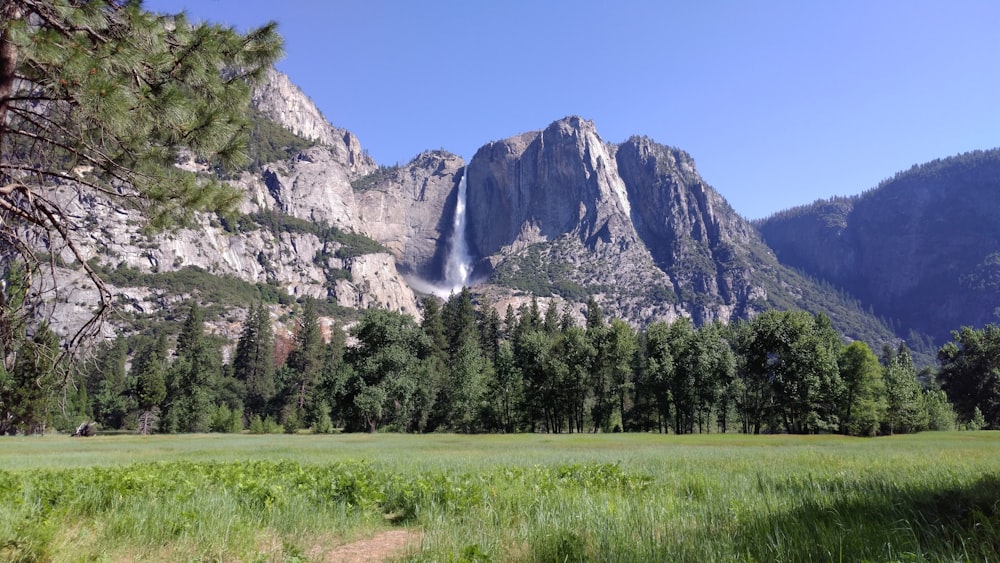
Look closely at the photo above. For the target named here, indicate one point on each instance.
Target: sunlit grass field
(621, 497)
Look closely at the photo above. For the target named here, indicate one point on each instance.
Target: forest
(466, 369)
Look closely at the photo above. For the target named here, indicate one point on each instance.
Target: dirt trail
(380, 547)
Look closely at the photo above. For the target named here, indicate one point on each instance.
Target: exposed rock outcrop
(284, 103)
(314, 186)
(538, 186)
(409, 209)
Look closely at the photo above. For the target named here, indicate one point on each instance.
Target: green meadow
(933, 496)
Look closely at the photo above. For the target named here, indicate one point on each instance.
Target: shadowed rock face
(689, 228)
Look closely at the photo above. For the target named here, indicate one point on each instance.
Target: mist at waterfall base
(458, 262)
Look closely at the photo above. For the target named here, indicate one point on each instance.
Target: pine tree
(150, 382)
(253, 362)
(111, 403)
(189, 398)
(306, 359)
(102, 96)
(29, 390)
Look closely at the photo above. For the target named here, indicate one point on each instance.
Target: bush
(225, 420)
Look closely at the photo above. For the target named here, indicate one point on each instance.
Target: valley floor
(622, 497)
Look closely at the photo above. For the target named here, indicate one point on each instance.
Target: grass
(626, 497)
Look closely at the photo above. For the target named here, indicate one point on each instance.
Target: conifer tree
(29, 389)
(306, 359)
(253, 362)
(111, 402)
(149, 367)
(189, 398)
(102, 97)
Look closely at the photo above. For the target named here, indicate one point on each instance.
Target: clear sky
(779, 102)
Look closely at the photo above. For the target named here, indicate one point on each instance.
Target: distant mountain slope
(923, 248)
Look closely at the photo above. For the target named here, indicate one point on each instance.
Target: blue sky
(779, 102)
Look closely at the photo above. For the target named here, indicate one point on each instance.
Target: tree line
(464, 368)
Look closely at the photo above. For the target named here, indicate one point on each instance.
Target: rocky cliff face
(560, 211)
(691, 230)
(541, 185)
(556, 212)
(922, 248)
(284, 103)
(409, 209)
(313, 186)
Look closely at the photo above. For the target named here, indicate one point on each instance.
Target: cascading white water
(458, 264)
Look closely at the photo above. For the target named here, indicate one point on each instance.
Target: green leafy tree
(600, 380)
(905, 410)
(470, 371)
(715, 365)
(970, 373)
(575, 354)
(978, 421)
(506, 389)
(863, 406)
(789, 370)
(532, 350)
(102, 97)
(685, 354)
(658, 371)
(385, 364)
(621, 348)
(940, 413)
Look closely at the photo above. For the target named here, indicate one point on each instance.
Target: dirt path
(377, 548)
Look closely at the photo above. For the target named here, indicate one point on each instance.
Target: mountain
(301, 234)
(923, 248)
(558, 213)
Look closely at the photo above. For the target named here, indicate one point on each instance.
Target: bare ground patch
(380, 547)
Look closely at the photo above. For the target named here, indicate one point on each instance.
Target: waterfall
(458, 264)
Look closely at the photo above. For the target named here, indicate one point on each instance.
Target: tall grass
(927, 497)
